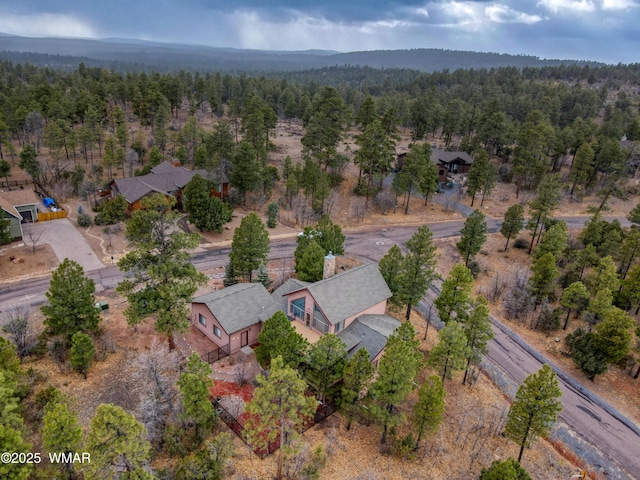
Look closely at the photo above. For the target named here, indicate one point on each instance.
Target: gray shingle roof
(370, 332)
(350, 292)
(164, 178)
(291, 285)
(447, 157)
(239, 306)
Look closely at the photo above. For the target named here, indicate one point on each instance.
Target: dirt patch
(19, 262)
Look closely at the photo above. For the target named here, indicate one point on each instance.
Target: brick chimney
(329, 266)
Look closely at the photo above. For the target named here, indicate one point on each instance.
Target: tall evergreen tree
(325, 126)
(575, 296)
(61, 432)
(278, 408)
(451, 351)
(82, 353)
(250, 246)
(278, 338)
(513, 222)
(455, 295)
(390, 268)
(477, 328)
(398, 367)
(418, 268)
(549, 195)
(195, 388)
(71, 302)
(358, 373)
(163, 280)
(482, 176)
(116, 442)
(429, 409)
(472, 236)
(535, 408)
(245, 170)
(553, 240)
(205, 211)
(310, 264)
(545, 274)
(325, 362)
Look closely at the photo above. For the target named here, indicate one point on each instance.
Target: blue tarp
(48, 201)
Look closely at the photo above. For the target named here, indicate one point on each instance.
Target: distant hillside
(126, 55)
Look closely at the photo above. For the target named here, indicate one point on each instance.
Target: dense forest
(127, 55)
(559, 131)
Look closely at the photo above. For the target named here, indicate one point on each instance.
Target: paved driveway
(65, 241)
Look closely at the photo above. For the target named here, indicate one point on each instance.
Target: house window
(319, 321)
(216, 331)
(440, 172)
(339, 326)
(297, 307)
(202, 320)
(454, 167)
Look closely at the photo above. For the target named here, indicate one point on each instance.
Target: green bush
(84, 219)
(520, 243)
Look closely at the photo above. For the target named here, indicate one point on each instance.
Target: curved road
(606, 433)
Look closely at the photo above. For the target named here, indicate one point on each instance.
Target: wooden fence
(15, 183)
(43, 217)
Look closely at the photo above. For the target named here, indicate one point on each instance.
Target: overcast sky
(605, 30)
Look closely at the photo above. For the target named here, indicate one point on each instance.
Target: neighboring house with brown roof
(350, 304)
(448, 163)
(18, 207)
(167, 179)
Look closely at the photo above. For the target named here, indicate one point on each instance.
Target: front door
(244, 339)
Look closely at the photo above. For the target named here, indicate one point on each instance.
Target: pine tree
(586, 353)
(582, 167)
(278, 408)
(250, 246)
(535, 408)
(358, 373)
(71, 302)
(310, 265)
(507, 469)
(575, 296)
(455, 295)
(330, 236)
(164, 280)
(472, 236)
(478, 330)
(398, 367)
(414, 169)
(549, 195)
(263, 276)
(205, 211)
(513, 222)
(553, 240)
(325, 361)
(279, 338)
(613, 335)
(82, 353)
(116, 442)
(61, 431)
(451, 351)
(11, 441)
(604, 275)
(482, 176)
(195, 388)
(245, 170)
(229, 276)
(390, 268)
(429, 409)
(545, 273)
(418, 268)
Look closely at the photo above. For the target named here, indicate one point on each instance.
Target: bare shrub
(359, 209)
(518, 301)
(20, 328)
(385, 200)
(157, 372)
(34, 234)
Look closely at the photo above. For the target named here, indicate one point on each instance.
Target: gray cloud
(585, 29)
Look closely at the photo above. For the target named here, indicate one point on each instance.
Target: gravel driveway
(65, 241)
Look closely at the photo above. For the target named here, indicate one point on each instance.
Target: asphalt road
(598, 425)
